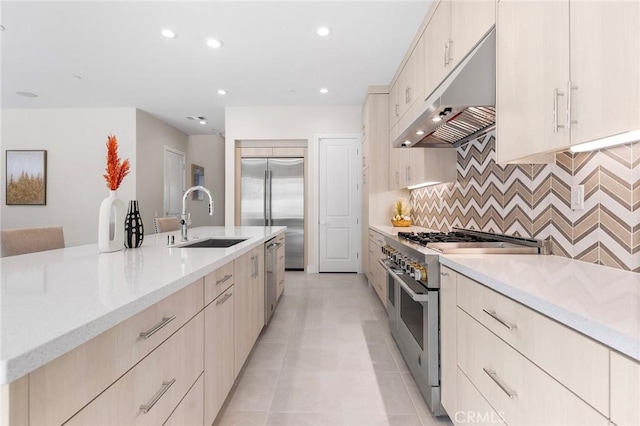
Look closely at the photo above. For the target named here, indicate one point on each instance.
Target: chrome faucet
(184, 219)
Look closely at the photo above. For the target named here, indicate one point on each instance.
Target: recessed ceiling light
(168, 33)
(406, 143)
(222, 92)
(27, 94)
(324, 90)
(323, 31)
(436, 118)
(212, 42)
(420, 132)
(203, 122)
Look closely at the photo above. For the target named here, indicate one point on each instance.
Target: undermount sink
(214, 243)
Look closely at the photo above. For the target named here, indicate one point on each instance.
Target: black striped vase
(133, 227)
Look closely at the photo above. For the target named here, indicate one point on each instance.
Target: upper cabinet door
(470, 21)
(532, 75)
(605, 68)
(436, 47)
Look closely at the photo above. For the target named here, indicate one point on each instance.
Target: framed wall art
(26, 177)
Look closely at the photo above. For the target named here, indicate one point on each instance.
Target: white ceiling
(271, 54)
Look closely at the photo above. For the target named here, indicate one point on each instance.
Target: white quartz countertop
(600, 302)
(53, 301)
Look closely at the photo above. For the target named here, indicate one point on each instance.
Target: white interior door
(174, 181)
(338, 205)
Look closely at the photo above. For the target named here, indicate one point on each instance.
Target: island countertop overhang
(54, 301)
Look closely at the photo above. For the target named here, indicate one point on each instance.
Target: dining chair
(166, 224)
(30, 240)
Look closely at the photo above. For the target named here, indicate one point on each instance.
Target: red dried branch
(116, 171)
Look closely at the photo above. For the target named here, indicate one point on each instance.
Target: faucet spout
(184, 218)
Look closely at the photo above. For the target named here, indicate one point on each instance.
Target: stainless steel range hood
(464, 103)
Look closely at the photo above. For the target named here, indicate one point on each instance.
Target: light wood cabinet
(453, 31)
(219, 372)
(87, 370)
(576, 361)
(527, 367)
(477, 410)
(625, 390)
(394, 168)
(420, 165)
(149, 392)
(377, 275)
(437, 38)
(448, 341)
(249, 303)
(567, 73)
(394, 102)
(515, 387)
(190, 412)
(217, 281)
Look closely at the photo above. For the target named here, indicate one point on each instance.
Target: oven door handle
(414, 296)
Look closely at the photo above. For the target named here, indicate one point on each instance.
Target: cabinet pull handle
(149, 405)
(224, 299)
(491, 373)
(445, 55)
(570, 88)
(165, 320)
(397, 178)
(397, 113)
(450, 57)
(444, 274)
(223, 279)
(281, 257)
(556, 126)
(409, 173)
(495, 316)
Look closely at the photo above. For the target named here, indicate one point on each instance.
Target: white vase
(111, 224)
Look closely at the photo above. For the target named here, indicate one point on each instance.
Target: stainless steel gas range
(413, 281)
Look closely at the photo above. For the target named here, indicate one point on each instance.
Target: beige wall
(76, 157)
(282, 123)
(207, 151)
(152, 136)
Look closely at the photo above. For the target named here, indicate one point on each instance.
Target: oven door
(393, 296)
(417, 335)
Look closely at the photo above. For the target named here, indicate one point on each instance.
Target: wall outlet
(577, 197)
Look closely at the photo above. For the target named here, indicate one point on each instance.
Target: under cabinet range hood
(462, 108)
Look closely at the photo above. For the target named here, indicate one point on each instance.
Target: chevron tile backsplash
(534, 200)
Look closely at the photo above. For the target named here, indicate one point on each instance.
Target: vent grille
(464, 126)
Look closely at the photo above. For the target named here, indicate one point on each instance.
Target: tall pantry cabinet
(377, 196)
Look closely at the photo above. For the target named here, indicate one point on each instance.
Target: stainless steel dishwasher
(271, 285)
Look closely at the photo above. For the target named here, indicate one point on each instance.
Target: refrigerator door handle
(270, 198)
(264, 200)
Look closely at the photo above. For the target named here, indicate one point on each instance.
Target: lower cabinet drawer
(90, 368)
(573, 359)
(190, 412)
(521, 392)
(217, 281)
(477, 410)
(150, 391)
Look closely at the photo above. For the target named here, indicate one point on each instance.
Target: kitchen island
(57, 304)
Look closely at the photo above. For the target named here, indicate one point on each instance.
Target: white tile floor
(327, 358)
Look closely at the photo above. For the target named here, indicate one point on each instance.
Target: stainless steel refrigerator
(272, 191)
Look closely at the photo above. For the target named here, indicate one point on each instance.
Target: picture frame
(26, 177)
(197, 178)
